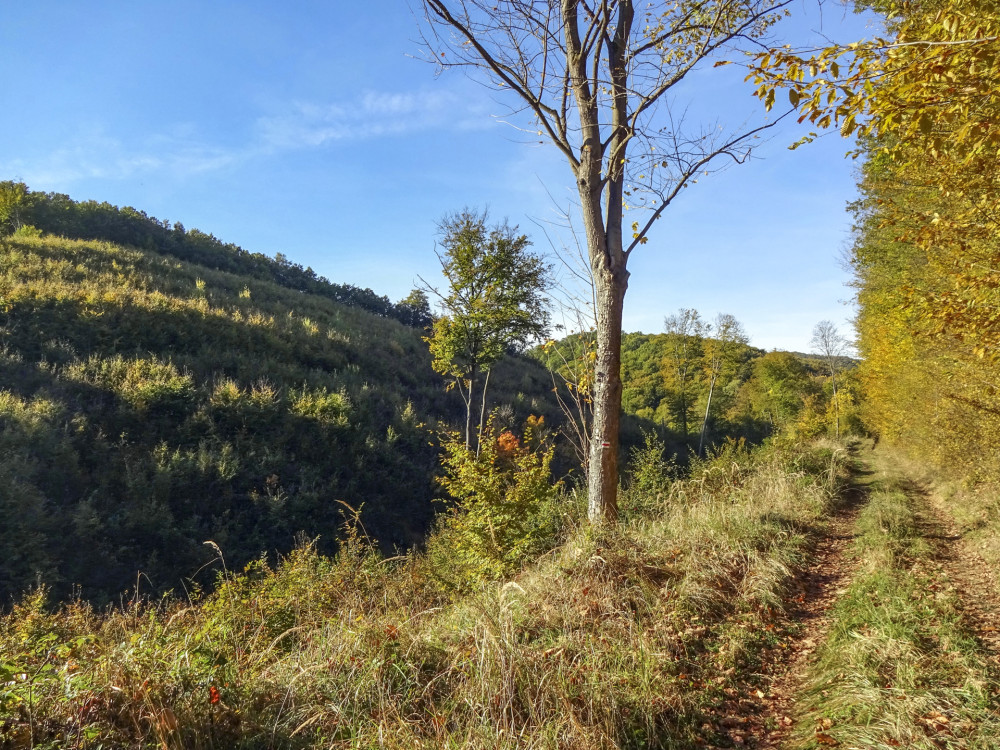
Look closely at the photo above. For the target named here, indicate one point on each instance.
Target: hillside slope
(148, 405)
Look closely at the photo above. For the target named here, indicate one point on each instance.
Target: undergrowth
(626, 636)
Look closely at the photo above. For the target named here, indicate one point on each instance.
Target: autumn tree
(686, 331)
(925, 100)
(602, 82)
(493, 303)
(722, 352)
(13, 203)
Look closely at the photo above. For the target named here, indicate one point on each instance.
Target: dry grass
(621, 637)
(900, 666)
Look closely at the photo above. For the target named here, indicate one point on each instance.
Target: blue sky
(315, 131)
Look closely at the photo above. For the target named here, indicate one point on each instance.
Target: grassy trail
(807, 618)
(909, 656)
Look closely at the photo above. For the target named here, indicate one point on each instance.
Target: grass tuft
(899, 667)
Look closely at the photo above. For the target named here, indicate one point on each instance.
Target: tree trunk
(836, 403)
(603, 475)
(704, 424)
(684, 409)
(482, 412)
(603, 228)
(468, 408)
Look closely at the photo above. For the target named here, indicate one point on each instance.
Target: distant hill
(154, 399)
(818, 362)
(757, 394)
(59, 215)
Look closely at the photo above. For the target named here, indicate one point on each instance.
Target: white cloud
(180, 152)
(371, 115)
(97, 156)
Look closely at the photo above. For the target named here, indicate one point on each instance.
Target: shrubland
(155, 398)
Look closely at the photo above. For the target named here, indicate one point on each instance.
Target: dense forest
(925, 258)
(923, 105)
(696, 393)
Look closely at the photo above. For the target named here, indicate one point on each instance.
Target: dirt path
(767, 719)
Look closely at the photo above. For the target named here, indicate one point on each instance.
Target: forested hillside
(685, 384)
(149, 404)
(59, 215)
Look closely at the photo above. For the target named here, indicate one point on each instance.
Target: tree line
(924, 102)
(700, 384)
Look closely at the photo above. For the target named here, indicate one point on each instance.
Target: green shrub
(27, 231)
(505, 510)
(321, 405)
(145, 384)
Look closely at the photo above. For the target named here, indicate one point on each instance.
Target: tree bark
(468, 408)
(836, 403)
(482, 412)
(603, 475)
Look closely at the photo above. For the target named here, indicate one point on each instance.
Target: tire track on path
(806, 620)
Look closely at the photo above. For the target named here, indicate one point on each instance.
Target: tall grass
(632, 636)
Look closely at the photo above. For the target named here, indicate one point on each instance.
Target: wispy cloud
(183, 152)
(372, 115)
(97, 156)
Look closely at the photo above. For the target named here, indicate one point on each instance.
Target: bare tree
(687, 331)
(831, 345)
(723, 351)
(571, 360)
(599, 78)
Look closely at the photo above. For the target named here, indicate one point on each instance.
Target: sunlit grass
(899, 667)
(619, 637)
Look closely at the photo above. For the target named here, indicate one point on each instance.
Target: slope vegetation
(149, 404)
(649, 634)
